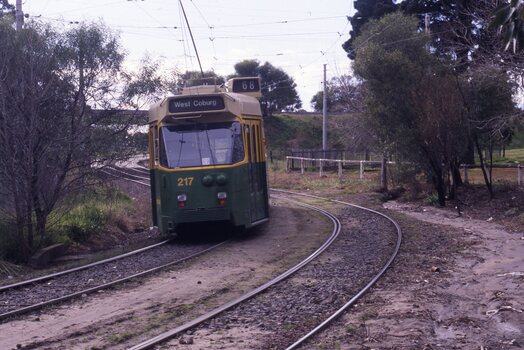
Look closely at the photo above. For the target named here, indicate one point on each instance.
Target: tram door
(257, 206)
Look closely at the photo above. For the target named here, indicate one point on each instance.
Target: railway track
(139, 175)
(27, 296)
(166, 336)
(34, 294)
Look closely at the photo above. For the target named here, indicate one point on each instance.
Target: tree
(366, 10)
(278, 88)
(6, 8)
(414, 106)
(146, 86)
(345, 95)
(508, 17)
(491, 113)
(178, 81)
(50, 141)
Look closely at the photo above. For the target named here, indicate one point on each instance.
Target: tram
(207, 157)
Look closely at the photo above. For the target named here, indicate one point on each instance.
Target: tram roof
(236, 104)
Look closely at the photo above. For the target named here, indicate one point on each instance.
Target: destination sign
(246, 85)
(196, 104)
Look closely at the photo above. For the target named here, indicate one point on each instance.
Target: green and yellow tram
(207, 157)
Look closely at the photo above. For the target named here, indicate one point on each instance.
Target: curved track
(176, 331)
(355, 297)
(170, 334)
(213, 313)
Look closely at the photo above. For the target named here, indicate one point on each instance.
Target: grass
(288, 132)
(511, 156)
(368, 315)
(120, 338)
(311, 180)
(91, 214)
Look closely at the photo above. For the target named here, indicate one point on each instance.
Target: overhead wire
(211, 36)
(264, 36)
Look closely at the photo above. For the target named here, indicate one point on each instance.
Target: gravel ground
(292, 308)
(97, 275)
(121, 317)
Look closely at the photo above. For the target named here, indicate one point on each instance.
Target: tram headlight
(221, 179)
(207, 180)
(182, 199)
(221, 196)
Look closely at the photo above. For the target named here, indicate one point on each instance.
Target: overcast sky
(298, 36)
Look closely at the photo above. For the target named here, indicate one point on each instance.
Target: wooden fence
(335, 154)
(519, 171)
(322, 164)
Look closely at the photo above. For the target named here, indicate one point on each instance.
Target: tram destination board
(196, 104)
(246, 85)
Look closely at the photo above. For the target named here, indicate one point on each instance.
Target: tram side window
(155, 145)
(163, 155)
(238, 144)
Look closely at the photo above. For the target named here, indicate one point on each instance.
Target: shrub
(84, 220)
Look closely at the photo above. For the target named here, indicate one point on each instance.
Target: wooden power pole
(324, 115)
(19, 15)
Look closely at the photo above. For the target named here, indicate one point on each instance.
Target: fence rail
(323, 163)
(518, 167)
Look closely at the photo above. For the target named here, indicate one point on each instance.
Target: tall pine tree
(366, 10)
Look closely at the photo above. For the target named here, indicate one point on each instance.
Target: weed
(367, 315)
(288, 327)
(120, 338)
(432, 199)
(348, 328)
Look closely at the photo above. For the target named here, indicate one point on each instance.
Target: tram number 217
(184, 181)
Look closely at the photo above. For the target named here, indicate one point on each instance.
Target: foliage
(365, 10)
(414, 106)
(194, 78)
(84, 221)
(279, 92)
(508, 17)
(6, 8)
(92, 214)
(344, 95)
(50, 141)
(286, 133)
(146, 86)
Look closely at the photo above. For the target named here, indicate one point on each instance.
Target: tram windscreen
(201, 144)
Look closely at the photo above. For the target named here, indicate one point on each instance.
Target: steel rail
(105, 285)
(79, 268)
(209, 315)
(367, 286)
(142, 176)
(120, 177)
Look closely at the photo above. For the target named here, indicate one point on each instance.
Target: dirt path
(457, 284)
(116, 319)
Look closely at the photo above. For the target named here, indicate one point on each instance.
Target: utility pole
(324, 115)
(19, 15)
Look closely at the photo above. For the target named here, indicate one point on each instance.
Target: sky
(298, 36)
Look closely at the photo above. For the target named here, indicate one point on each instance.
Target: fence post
(321, 167)
(466, 177)
(519, 174)
(287, 164)
(302, 166)
(361, 170)
(339, 168)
